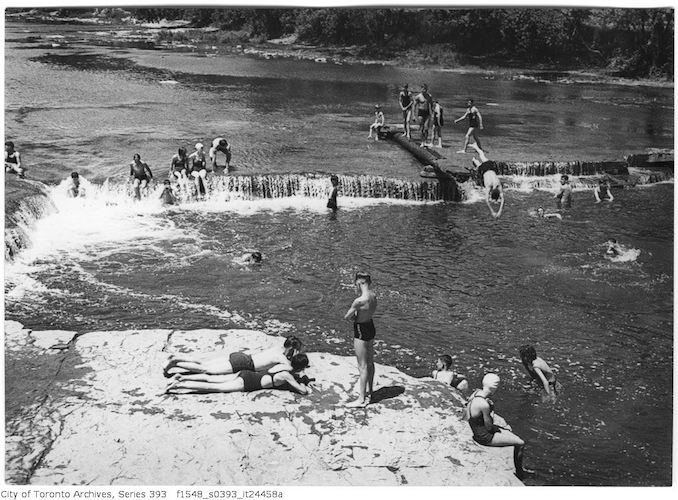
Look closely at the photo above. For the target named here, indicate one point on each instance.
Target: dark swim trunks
(251, 379)
(424, 113)
(485, 167)
(458, 379)
(364, 331)
(241, 361)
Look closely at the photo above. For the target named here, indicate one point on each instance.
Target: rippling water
(449, 278)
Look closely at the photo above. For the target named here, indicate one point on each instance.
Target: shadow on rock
(387, 393)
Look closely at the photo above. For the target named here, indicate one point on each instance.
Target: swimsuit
(406, 100)
(11, 158)
(241, 361)
(481, 434)
(485, 167)
(364, 331)
(473, 119)
(456, 380)
(252, 380)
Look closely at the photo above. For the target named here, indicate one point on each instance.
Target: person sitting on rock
(234, 362)
(73, 186)
(446, 375)
(13, 160)
(278, 376)
(485, 432)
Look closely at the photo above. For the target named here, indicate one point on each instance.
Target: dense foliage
(632, 42)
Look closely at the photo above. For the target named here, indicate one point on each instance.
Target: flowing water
(450, 279)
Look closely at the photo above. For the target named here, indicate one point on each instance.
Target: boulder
(99, 416)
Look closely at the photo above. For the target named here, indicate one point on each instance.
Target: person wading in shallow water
(480, 417)
(360, 313)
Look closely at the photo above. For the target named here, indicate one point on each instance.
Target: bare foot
(358, 403)
(168, 366)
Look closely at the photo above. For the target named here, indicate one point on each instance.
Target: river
(450, 279)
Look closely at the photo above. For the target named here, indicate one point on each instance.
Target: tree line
(629, 42)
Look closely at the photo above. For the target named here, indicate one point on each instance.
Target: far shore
(178, 35)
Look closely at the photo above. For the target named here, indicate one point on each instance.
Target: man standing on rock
(361, 312)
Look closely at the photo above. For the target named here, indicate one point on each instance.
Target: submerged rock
(101, 418)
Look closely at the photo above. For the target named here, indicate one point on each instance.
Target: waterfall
(25, 204)
(318, 186)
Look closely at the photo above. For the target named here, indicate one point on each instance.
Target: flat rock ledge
(88, 408)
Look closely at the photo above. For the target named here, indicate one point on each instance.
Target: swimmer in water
(13, 160)
(486, 175)
(543, 215)
(332, 201)
(613, 248)
(564, 195)
(538, 369)
(444, 373)
(253, 257)
(485, 432)
(602, 190)
(167, 196)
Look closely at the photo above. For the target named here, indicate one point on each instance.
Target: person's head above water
(527, 353)
(564, 178)
(612, 241)
(540, 212)
(136, 157)
(377, 107)
(424, 87)
(469, 101)
(406, 87)
(166, 182)
(362, 278)
(446, 361)
(9, 146)
(256, 256)
(199, 146)
(75, 175)
(182, 151)
(334, 180)
(491, 382)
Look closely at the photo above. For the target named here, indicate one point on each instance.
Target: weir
(655, 166)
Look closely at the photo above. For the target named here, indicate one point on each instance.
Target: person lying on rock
(221, 364)
(480, 410)
(246, 380)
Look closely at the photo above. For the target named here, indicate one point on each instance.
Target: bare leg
(235, 385)
(475, 138)
(137, 192)
(508, 438)
(370, 369)
(361, 350)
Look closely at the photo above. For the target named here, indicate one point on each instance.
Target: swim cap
(199, 145)
(377, 106)
(491, 380)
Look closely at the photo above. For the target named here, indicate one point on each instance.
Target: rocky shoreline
(88, 408)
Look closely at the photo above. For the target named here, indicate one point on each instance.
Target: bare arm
(596, 193)
(609, 193)
(544, 382)
(148, 171)
(480, 119)
(289, 378)
(353, 310)
(461, 117)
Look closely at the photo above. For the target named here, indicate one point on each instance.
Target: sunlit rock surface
(89, 408)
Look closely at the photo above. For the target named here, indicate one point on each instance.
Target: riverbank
(180, 35)
(88, 408)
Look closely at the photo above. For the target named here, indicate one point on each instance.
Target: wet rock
(110, 423)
